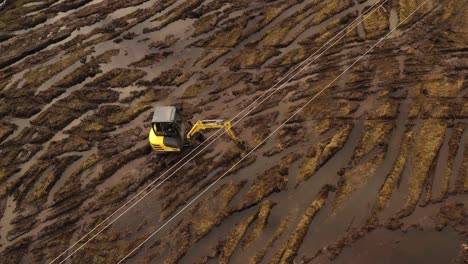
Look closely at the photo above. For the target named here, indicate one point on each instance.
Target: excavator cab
(167, 129)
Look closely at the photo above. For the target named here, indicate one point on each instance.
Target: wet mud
(373, 171)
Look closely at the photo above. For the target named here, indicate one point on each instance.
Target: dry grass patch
(393, 178)
(375, 133)
(297, 237)
(277, 234)
(427, 143)
(322, 152)
(260, 223)
(355, 179)
(376, 24)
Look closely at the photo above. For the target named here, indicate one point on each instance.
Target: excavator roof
(164, 114)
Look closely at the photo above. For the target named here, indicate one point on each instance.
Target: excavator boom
(213, 124)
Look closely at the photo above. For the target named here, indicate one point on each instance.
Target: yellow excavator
(168, 128)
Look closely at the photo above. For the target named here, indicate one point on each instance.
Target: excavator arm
(214, 124)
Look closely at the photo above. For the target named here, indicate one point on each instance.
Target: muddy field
(373, 171)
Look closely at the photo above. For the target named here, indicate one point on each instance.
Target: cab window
(165, 129)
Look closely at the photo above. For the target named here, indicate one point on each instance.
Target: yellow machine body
(167, 126)
(157, 143)
(167, 130)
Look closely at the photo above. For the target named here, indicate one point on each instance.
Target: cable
(197, 147)
(263, 141)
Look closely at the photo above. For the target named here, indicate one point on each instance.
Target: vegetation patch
(168, 41)
(70, 144)
(233, 238)
(427, 143)
(277, 234)
(212, 210)
(87, 70)
(39, 76)
(321, 153)
(326, 11)
(227, 81)
(275, 35)
(251, 57)
(393, 178)
(110, 242)
(387, 109)
(118, 77)
(291, 57)
(295, 240)
(407, 7)
(151, 59)
(38, 193)
(210, 55)
(177, 13)
(439, 86)
(16, 17)
(205, 24)
(375, 134)
(6, 129)
(461, 183)
(227, 37)
(355, 179)
(166, 78)
(273, 180)
(193, 90)
(125, 115)
(454, 144)
(153, 95)
(260, 223)
(376, 23)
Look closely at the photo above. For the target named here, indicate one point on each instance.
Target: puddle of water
(135, 51)
(57, 137)
(360, 27)
(458, 160)
(312, 30)
(31, 4)
(132, 50)
(384, 246)
(66, 174)
(55, 18)
(359, 203)
(5, 222)
(401, 65)
(21, 124)
(441, 165)
(61, 15)
(128, 10)
(48, 84)
(393, 19)
(149, 22)
(254, 37)
(16, 77)
(250, 172)
(127, 91)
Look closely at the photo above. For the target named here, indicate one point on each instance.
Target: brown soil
(375, 169)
